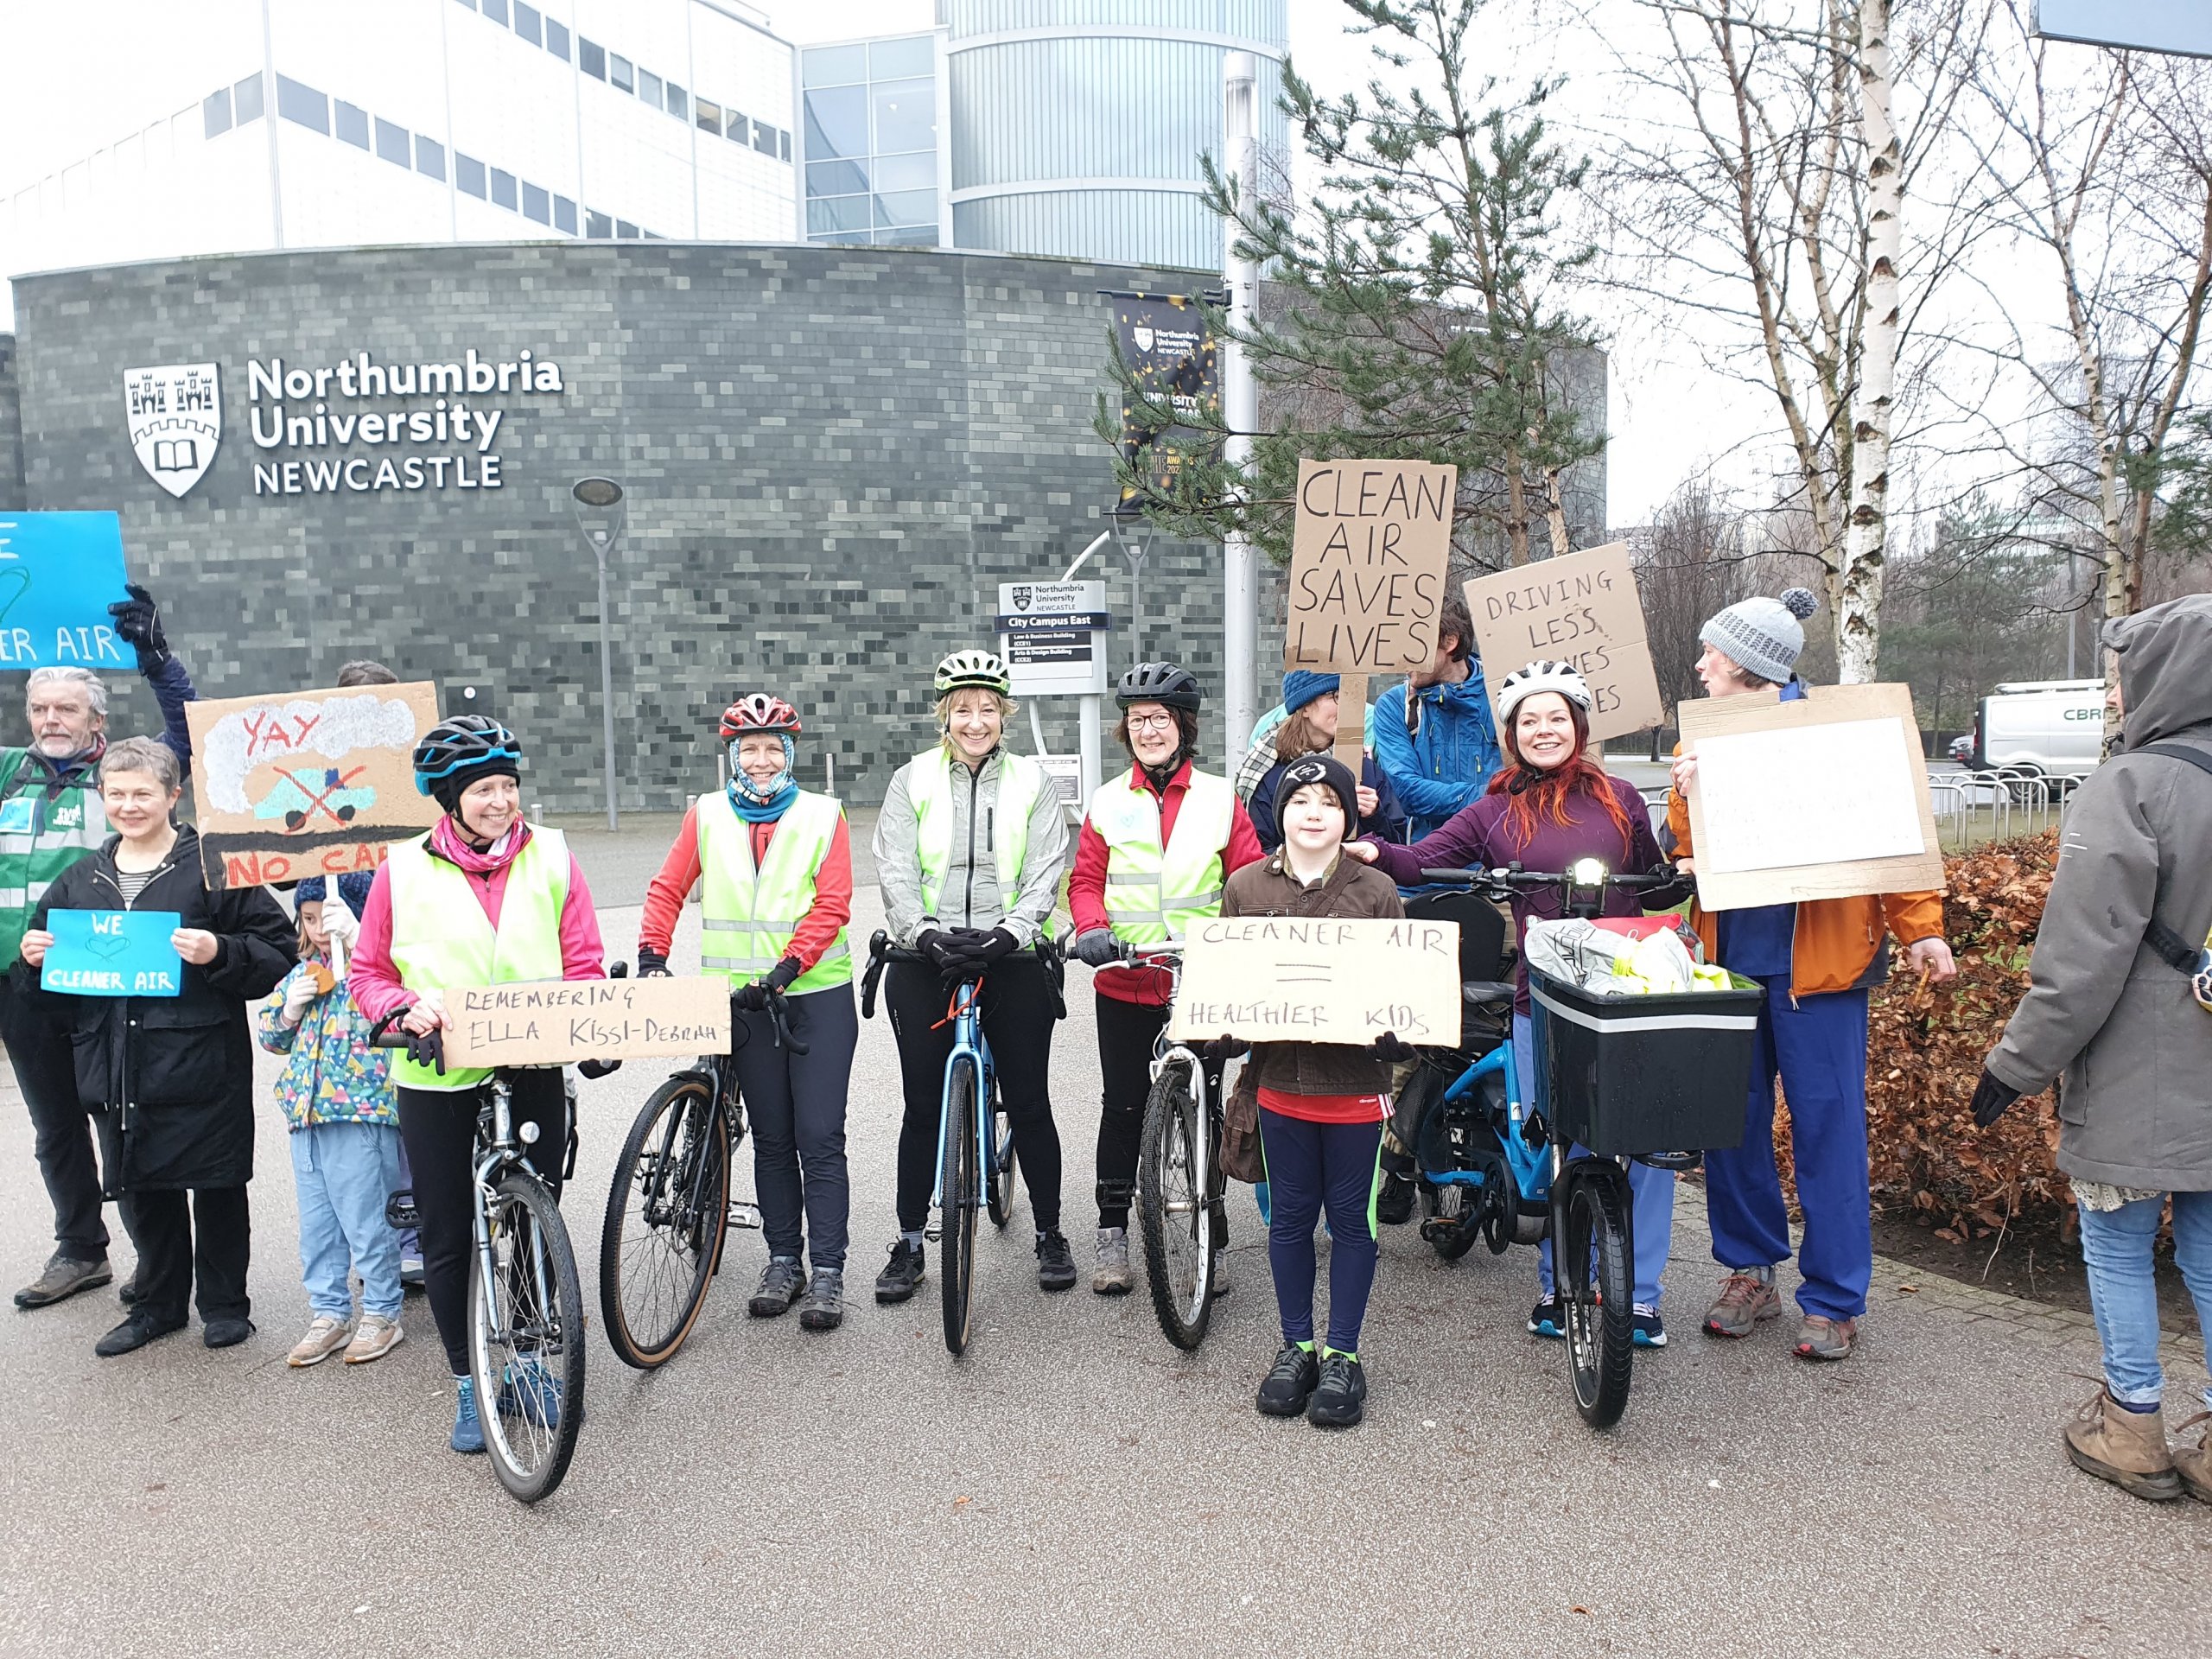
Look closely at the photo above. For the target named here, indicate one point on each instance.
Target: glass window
(679, 102)
(471, 5)
(764, 138)
(556, 39)
(837, 213)
(535, 204)
(836, 178)
(528, 24)
(429, 157)
(245, 99)
(906, 115)
(836, 122)
(917, 172)
(736, 125)
(599, 226)
(564, 215)
(591, 58)
(496, 10)
(624, 230)
(906, 208)
(215, 112)
(858, 238)
(468, 174)
(350, 122)
(503, 189)
(783, 145)
(618, 71)
(649, 87)
(833, 66)
(303, 104)
(709, 115)
(893, 60)
(391, 141)
(910, 235)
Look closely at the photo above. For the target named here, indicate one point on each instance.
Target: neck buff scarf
(754, 804)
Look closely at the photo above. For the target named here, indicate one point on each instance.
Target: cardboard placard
(1367, 560)
(1351, 747)
(112, 953)
(308, 783)
(1287, 979)
(1581, 608)
(555, 1022)
(1834, 782)
(59, 573)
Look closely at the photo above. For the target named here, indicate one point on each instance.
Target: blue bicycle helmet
(466, 743)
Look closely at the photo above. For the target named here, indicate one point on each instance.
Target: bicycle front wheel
(526, 1337)
(1175, 1161)
(1596, 1287)
(958, 1184)
(667, 1213)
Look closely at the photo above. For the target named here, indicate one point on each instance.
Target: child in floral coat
(336, 1093)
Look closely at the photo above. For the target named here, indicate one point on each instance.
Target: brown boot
(2127, 1448)
(2193, 1463)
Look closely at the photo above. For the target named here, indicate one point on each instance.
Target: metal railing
(1998, 805)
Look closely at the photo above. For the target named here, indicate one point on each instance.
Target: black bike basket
(1628, 1075)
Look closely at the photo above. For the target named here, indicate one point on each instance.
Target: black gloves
(596, 1069)
(428, 1048)
(1097, 946)
(137, 622)
(1222, 1050)
(781, 975)
(754, 998)
(936, 945)
(1387, 1047)
(975, 951)
(651, 964)
(1991, 1099)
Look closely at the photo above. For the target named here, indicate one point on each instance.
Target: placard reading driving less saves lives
(1581, 608)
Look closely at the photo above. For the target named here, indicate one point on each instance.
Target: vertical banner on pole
(1169, 347)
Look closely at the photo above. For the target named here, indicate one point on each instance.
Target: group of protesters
(148, 1101)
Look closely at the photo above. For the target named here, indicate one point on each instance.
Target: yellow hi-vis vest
(750, 914)
(929, 783)
(1153, 895)
(442, 939)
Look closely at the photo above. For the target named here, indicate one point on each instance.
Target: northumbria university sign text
(359, 424)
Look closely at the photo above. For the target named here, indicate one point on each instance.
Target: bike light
(1587, 873)
(527, 1134)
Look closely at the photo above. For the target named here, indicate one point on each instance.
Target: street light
(599, 514)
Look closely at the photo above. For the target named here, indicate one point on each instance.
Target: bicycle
(525, 1303)
(670, 1206)
(975, 1137)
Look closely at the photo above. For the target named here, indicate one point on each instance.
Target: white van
(2053, 727)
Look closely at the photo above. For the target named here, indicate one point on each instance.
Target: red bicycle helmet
(761, 712)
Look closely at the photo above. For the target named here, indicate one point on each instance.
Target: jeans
(1651, 1195)
(343, 1173)
(1310, 1166)
(2116, 1251)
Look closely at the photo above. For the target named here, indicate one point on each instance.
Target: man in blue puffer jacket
(1434, 737)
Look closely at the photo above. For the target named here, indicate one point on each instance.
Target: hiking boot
(325, 1336)
(1290, 1381)
(1111, 1276)
(824, 1306)
(1394, 1205)
(377, 1337)
(1646, 1329)
(467, 1427)
(1745, 1302)
(1341, 1399)
(133, 1334)
(1824, 1339)
(1055, 1261)
(1545, 1320)
(781, 1284)
(2127, 1448)
(2193, 1463)
(225, 1333)
(901, 1273)
(63, 1278)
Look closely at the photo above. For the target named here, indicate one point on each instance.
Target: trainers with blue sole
(468, 1427)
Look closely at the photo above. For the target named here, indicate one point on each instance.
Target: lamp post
(600, 513)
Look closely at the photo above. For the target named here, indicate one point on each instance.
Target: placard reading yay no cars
(1283, 979)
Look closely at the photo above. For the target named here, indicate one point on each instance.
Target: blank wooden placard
(1818, 802)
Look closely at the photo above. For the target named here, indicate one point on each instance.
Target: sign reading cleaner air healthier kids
(112, 953)
(59, 573)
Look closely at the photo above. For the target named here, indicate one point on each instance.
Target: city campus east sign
(360, 424)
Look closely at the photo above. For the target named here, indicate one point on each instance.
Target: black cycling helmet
(463, 744)
(1169, 684)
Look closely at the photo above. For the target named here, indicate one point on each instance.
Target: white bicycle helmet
(1548, 675)
(984, 668)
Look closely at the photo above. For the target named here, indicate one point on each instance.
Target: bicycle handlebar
(1511, 878)
(881, 953)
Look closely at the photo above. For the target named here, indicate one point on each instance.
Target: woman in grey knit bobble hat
(1755, 642)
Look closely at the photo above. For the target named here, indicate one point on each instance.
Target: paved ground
(1075, 1485)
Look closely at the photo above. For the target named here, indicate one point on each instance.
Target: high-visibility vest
(1152, 894)
(930, 785)
(441, 937)
(750, 913)
(41, 836)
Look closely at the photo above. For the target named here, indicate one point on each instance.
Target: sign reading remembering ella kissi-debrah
(1367, 562)
(1051, 633)
(1277, 979)
(554, 1022)
(1581, 608)
(112, 953)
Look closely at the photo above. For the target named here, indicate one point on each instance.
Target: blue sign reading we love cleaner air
(59, 573)
(112, 953)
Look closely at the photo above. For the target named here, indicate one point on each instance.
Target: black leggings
(1126, 1033)
(1018, 1012)
(795, 1105)
(438, 1128)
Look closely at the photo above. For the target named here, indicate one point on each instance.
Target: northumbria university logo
(176, 420)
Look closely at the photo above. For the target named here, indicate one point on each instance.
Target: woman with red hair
(1549, 805)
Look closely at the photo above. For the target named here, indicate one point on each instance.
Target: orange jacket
(1837, 944)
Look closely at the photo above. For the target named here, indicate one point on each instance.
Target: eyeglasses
(1159, 722)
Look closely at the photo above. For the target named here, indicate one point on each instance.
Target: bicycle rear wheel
(1175, 1160)
(959, 1180)
(667, 1213)
(526, 1338)
(998, 1191)
(1596, 1287)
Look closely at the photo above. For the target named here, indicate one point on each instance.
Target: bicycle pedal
(934, 1231)
(745, 1215)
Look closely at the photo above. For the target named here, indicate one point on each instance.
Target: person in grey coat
(2111, 1014)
